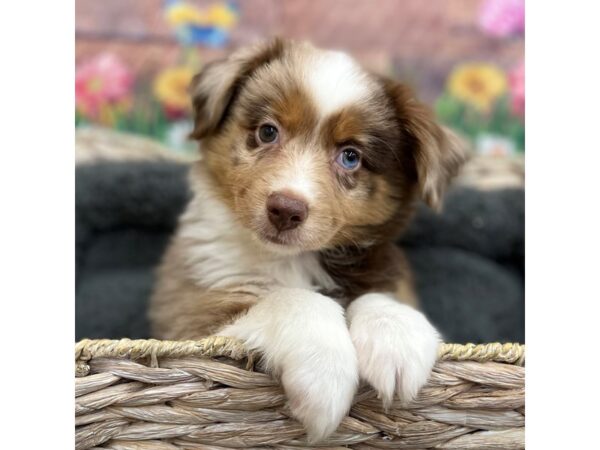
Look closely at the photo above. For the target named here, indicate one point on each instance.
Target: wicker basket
(167, 395)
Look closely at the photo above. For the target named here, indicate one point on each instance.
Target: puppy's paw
(320, 383)
(305, 341)
(395, 344)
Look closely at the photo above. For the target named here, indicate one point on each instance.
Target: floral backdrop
(135, 59)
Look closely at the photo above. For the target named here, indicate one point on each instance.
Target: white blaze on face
(335, 81)
(297, 176)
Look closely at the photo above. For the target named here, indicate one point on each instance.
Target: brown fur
(355, 217)
(437, 152)
(180, 310)
(359, 270)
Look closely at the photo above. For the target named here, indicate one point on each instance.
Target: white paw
(395, 344)
(304, 340)
(320, 384)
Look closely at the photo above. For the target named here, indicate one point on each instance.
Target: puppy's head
(311, 151)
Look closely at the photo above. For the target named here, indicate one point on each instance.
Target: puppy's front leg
(395, 344)
(305, 340)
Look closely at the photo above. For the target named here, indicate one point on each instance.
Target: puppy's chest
(233, 262)
(303, 271)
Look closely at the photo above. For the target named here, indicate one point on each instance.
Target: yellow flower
(218, 15)
(222, 16)
(184, 13)
(477, 84)
(171, 87)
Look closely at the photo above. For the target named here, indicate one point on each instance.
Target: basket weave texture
(168, 395)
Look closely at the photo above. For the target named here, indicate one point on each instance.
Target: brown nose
(286, 212)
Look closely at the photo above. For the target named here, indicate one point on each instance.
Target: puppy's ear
(437, 151)
(214, 89)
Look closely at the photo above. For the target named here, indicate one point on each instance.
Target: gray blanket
(468, 260)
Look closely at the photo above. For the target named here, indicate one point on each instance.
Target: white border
(562, 224)
(37, 231)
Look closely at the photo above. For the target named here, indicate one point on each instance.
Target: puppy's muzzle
(286, 212)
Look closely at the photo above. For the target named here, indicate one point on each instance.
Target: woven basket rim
(214, 346)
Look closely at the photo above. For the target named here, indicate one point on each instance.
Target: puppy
(311, 169)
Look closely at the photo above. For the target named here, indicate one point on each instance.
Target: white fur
(395, 344)
(304, 340)
(297, 175)
(222, 253)
(335, 80)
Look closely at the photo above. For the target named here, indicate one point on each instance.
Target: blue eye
(348, 158)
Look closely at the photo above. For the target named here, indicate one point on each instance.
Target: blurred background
(135, 58)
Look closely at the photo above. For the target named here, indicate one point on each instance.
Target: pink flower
(516, 80)
(501, 18)
(99, 82)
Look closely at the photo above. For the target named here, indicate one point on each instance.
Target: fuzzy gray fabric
(468, 261)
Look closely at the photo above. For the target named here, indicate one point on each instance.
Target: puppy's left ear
(438, 152)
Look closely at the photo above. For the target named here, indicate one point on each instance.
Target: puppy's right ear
(214, 89)
(437, 151)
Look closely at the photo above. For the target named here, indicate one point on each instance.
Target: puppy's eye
(348, 158)
(267, 134)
